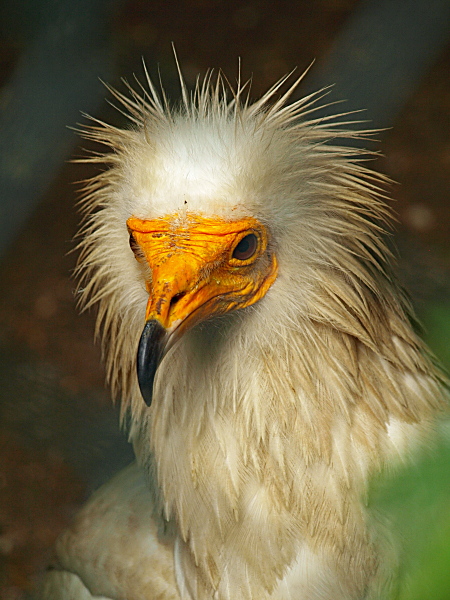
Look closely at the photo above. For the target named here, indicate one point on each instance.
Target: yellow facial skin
(196, 268)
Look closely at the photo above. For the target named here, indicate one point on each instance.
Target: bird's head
(219, 207)
(197, 268)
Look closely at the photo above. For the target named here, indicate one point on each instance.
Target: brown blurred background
(59, 435)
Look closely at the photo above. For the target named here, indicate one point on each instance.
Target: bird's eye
(246, 248)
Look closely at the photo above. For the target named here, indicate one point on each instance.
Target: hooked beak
(151, 349)
(155, 342)
(165, 326)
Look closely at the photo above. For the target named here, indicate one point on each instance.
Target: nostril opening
(175, 298)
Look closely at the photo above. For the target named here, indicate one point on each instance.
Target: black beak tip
(149, 355)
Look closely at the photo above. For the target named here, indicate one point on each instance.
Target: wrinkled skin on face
(197, 267)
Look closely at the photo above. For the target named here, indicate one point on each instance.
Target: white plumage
(295, 374)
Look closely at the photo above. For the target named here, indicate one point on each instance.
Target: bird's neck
(257, 450)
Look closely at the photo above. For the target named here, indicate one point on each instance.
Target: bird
(264, 353)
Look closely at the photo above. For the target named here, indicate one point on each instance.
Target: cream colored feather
(266, 423)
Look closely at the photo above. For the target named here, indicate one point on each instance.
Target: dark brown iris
(246, 248)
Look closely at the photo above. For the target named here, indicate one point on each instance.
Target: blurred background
(59, 434)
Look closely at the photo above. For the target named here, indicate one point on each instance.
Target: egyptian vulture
(261, 348)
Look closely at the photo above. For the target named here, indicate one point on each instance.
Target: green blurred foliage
(417, 503)
(417, 499)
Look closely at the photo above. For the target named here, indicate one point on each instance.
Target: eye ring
(246, 248)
